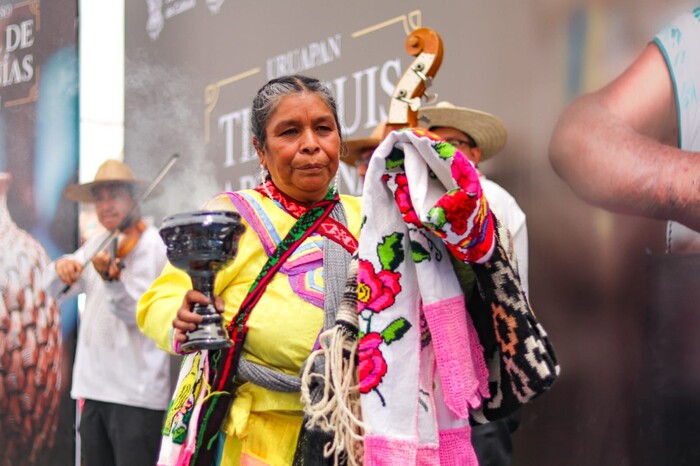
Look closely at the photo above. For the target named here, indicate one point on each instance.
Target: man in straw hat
(479, 136)
(119, 373)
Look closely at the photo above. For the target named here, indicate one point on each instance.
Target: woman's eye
(289, 132)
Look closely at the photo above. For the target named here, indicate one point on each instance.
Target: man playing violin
(119, 374)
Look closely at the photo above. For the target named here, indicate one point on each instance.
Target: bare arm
(617, 147)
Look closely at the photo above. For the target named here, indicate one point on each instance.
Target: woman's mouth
(312, 167)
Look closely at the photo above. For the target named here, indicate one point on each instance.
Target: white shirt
(512, 217)
(114, 361)
(678, 42)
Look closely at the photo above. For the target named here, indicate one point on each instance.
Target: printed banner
(199, 103)
(38, 158)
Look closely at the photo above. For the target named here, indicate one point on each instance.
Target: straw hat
(488, 131)
(110, 172)
(356, 146)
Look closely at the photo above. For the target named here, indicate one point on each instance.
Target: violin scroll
(425, 40)
(426, 45)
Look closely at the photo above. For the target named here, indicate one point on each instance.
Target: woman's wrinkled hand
(186, 319)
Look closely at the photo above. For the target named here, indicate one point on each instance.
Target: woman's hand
(68, 270)
(186, 320)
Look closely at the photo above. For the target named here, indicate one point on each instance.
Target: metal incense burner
(202, 243)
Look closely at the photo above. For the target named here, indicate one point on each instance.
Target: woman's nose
(309, 142)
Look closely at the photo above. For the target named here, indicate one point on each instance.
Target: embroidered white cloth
(421, 365)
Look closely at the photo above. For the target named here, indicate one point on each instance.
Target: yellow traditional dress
(262, 425)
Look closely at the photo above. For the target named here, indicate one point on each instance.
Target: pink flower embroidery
(372, 366)
(464, 173)
(403, 200)
(376, 291)
(458, 208)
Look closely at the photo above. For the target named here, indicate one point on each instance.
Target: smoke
(164, 115)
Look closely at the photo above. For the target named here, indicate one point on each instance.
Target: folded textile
(421, 357)
(421, 366)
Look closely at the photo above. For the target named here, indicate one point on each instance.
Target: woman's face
(302, 147)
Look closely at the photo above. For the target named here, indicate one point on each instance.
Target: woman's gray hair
(266, 101)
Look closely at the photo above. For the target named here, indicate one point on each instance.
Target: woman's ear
(261, 155)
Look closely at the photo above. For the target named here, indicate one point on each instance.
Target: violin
(126, 240)
(108, 263)
(426, 45)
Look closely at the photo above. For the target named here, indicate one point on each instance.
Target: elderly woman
(420, 371)
(296, 135)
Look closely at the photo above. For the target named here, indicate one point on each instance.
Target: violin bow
(127, 219)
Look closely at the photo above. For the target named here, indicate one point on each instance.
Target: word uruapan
(304, 58)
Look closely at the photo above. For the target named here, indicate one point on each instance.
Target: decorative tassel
(332, 398)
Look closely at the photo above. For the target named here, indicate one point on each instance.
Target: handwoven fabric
(421, 367)
(521, 359)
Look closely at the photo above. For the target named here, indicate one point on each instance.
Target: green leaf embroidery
(418, 252)
(436, 217)
(179, 435)
(390, 251)
(395, 159)
(445, 150)
(395, 330)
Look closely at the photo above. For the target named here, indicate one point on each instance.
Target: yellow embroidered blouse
(262, 425)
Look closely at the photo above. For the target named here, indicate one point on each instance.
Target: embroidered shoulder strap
(225, 362)
(251, 211)
(330, 228)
